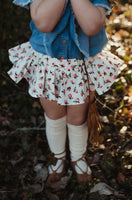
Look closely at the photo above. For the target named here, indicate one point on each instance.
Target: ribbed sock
(78, 136)
(56, 136)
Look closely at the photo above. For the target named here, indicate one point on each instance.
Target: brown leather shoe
(55, 176)
(84, 176)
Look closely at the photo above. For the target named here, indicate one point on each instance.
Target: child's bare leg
(52, 109)
(55, 116)
(77, 114)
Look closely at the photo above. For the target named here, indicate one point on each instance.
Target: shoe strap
(84, 156)
(62, 163)
(84, 159)
(55, 155)
(53, 160)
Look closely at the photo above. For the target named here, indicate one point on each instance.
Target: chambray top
(67, 39)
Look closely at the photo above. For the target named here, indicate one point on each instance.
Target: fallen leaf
(36, 105)
(121, 177)
(103, 188)
(42, 174)
(123, 33)
(123, 130)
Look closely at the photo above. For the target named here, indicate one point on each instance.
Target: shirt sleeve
(102, 3)
(23, 3)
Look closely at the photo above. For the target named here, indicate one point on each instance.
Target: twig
(41, 123)
(117, 110)
(114, 112)
(5, 191)
(105, 105)
(27, 129)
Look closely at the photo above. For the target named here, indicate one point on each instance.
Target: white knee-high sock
(56, 136)
(78, 136)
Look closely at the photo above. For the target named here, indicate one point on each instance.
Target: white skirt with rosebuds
(63, 80)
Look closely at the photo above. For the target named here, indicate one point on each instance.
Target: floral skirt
(63, 80)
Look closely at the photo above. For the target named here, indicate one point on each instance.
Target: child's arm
(46, 13)
(90, 18)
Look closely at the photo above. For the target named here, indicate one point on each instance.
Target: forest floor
(23, 146)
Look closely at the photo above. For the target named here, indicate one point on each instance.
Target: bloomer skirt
(63, 80)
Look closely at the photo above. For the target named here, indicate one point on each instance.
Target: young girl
(67, 38)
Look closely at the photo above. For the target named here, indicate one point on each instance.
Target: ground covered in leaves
(23, 146)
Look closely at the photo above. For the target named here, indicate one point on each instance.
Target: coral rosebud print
(61, 80)
(40, 85)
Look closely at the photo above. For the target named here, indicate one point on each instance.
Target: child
(67, 38)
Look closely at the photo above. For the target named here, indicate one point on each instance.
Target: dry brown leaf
(123, 33)
(121, 177)
(36, 105)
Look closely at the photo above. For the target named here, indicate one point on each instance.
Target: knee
(54, 114)
(76, 119)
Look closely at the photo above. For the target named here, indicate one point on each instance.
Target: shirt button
(64, 41)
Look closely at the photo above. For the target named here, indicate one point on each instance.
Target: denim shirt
(67, 39)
